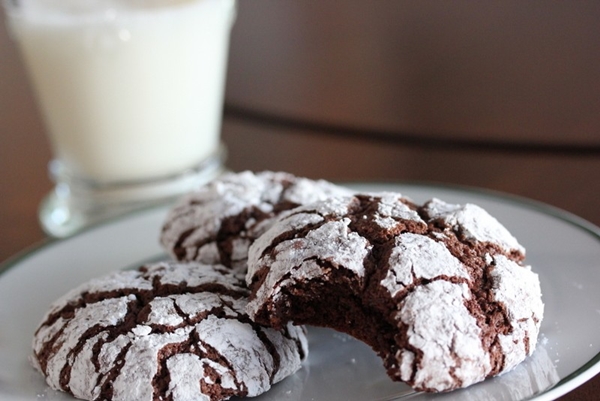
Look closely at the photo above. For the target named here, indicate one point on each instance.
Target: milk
(132, 92)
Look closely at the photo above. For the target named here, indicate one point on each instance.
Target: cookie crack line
(107, 388)
(178, 248)
(420, 282)
(144, 297)
(269, 346)
(112, 331)
(244, 225)
(294, 234)
(473, 255)
(162, 379)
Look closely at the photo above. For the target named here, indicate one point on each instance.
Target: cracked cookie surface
(438, 290)
(167, 331)
(218, 222)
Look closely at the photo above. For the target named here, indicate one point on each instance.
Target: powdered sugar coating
(218, 222)
(473, 222)
(437, 290)
(416, 257)
(440, 326)
(179, 332)
(518, 288)
(389, 210)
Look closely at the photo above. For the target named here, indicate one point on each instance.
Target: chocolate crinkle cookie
(217, 222)
(167, 331)
(438, 290)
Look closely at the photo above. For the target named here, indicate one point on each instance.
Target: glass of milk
(131, 92)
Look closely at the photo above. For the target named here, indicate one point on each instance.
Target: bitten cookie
(217, 223)
(165, 332)
(438, 291)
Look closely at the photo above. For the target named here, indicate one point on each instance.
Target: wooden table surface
(504, 97)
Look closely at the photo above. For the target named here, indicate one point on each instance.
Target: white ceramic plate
(562, 248)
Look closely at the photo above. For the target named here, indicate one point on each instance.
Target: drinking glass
(131, 92)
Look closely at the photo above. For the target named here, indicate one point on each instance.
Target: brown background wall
(522, 72)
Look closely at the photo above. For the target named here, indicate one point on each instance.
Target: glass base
(75, 204)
